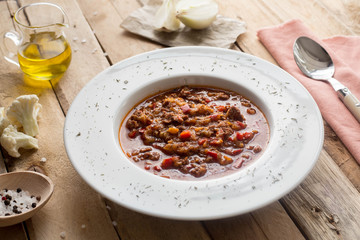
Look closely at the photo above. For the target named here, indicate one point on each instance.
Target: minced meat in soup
(194, 132)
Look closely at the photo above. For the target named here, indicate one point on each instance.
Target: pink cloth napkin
(345, 52)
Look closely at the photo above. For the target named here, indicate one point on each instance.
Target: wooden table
(324, 206)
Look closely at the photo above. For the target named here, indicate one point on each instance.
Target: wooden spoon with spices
(35, 189)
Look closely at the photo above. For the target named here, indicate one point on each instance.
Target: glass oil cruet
(43, 52)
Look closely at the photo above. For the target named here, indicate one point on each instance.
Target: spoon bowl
(35, 183)
(312, 59)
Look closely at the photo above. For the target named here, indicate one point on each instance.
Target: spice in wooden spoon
(23, 194)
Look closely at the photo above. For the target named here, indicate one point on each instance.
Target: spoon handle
(350, 101)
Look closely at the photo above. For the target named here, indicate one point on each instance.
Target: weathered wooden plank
(74, 209)
(17, 231)
(5, 19)
(87, 60)
(276, 223)
(346, 11)
(270, 222)
(133, 225)
(269, 13)
(326, 205)
(2, 165)
(338, 152)
(105, 18)
(241, 227)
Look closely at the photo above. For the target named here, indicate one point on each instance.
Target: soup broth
(193, 133)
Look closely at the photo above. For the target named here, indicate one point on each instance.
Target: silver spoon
(316, 63)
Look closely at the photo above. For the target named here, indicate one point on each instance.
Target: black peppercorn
(33, 205)
(18, 190)
(7, 202)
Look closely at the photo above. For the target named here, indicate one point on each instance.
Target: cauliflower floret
(4, 122)
(11, 140)
(23, 112)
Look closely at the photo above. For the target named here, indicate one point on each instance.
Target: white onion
(165, 18)
(196, 14)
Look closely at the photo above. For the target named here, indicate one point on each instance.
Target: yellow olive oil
(45, 57)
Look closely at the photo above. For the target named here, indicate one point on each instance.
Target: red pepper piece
(236, 152)
(133, 134)
(167, 163)
(185, 108)
(157, 168)
(221, 108)
(214, 117)
(239, 136)
(216, 142)
(212, 154)
(248, 135)
(238, 163)
(207, 100)
(241, 124)
(185, 134)
(232, 138)
(201, 141)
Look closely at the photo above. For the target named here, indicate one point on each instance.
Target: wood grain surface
(325, 206)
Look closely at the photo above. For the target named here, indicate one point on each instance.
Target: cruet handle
(16, 39)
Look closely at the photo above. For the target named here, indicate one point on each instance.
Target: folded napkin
(345, 52)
